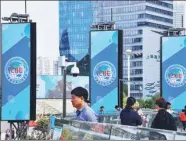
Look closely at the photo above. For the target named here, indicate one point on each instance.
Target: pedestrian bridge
(78, 130)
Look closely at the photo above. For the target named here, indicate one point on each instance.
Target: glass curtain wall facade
(75, 20)
(130, 16)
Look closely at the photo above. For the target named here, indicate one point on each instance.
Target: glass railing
(78, 130)
(114, 118)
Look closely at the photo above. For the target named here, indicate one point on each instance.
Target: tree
(125, 90)
(149, 104)
(124, 100)
(141, 103)
(155, 97)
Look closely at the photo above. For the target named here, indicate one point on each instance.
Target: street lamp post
(63, 64)
(129, 53)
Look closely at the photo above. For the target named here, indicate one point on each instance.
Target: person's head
(130, 102)
(79, 97)
(102, 108)
(168, 105)
(160, 103)
(136, 105)
(133, 99)
(185, 106)
(183, 110)
(117, 108)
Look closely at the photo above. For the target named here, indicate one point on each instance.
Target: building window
(136, 79)
(165, 12)
(138, 47)
(160, 3)
(153, 25)
(158, 18)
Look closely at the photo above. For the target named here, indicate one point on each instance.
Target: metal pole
(111, 14)
(182, 21)
(128, 62)
(25, 7)
(10, 130)
(0, 73)
(119, 102)
(64, 92)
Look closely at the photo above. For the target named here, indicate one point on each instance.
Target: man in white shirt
(168, 108)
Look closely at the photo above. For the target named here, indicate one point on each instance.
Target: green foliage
(155, 97)
(141, 102)
(43, 123)
(124, 100)
(125, 90)
(149, 103)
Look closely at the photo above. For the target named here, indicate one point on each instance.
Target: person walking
(79, 101)
(101, 111)
(140, 112)
(128, 115)
(118, 108)
(183, 118)
(163, 119)
(169, 110)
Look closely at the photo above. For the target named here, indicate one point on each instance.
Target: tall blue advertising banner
(18, 71)
(105, 69)
(173, 70)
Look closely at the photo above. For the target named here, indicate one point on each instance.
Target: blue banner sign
(105, 69)
(18, 71)
(173, 70)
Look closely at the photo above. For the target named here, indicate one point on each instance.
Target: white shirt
(170, 111)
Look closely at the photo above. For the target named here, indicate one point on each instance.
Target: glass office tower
(133, 17)
(75, 20)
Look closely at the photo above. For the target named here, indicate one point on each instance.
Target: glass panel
(124, 133)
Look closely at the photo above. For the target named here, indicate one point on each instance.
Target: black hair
(80, 92)
(184, 110)
(130, 102)
(116, 106)
(101, 107)
(167, 103)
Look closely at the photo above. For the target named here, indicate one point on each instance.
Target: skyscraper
(47, 66)
(179, 14)
(75, 20)
(137, 19)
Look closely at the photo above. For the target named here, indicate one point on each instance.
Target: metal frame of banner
(22, 125)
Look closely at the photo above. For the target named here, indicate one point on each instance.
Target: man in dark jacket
(163, 119)
(128, 115)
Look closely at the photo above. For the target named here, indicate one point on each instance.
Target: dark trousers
(184, 125)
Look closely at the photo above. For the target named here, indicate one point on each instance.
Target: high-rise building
(56, 68)
(179, 14)
(137, 19)
(75, 20)
(47, 66)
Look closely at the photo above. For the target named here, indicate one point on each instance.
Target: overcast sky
(45, 13)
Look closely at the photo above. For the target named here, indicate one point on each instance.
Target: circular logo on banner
(16, 70)
(175, 75)
(104, 73)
